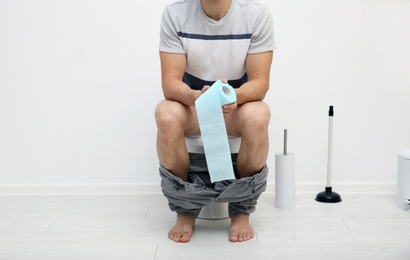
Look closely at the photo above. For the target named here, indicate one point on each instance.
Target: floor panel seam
(257, 238)
(52, 225)
(156, 250)
(344, 222)
(146, 214)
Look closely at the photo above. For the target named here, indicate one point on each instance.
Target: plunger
(329, 196)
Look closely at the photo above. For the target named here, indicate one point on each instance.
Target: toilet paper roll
(285, 181)
(213, 129)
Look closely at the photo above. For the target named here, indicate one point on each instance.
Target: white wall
(79, 81)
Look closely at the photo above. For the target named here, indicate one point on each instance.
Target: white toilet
(212, 211)
(403, 179)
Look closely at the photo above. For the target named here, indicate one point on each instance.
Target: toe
(186, 237)
(177, 237)
(249, 236)
(242, 237)
(171, 235)
(233, 237)
(174, 236)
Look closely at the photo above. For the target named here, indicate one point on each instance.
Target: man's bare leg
(251, 122)
(174, 121)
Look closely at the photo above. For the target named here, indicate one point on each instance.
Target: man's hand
(205, 88)
(227, 109)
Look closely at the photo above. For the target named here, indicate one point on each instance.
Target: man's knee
(170, 116)
(255, 117)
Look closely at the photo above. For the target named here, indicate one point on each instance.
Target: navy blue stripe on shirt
(215, 37)
(197, 84)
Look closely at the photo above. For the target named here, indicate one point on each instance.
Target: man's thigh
(177, 112)
(234, 122)
(249, 112)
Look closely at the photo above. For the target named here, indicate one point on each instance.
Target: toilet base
(214, 211)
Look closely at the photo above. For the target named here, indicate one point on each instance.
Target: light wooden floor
(135, 227)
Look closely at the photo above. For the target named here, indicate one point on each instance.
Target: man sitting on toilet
(202, 41)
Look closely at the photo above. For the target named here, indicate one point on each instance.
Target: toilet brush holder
(285, 178)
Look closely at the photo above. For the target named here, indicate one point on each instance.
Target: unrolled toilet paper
(213, 129)
(285, 181)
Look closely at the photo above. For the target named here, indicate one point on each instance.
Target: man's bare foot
(241, 230)
(182, 231)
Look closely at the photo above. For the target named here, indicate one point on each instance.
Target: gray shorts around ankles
(187, 198)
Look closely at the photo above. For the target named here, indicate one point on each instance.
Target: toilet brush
(329, 196)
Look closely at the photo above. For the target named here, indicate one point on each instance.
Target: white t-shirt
(216, 49)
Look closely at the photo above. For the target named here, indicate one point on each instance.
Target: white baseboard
(79, 189)
(342, 187)
(154, 188)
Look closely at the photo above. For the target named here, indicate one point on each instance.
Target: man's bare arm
(258, 70)
(172, 70)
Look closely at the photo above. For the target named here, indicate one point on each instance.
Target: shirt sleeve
(169, 39)
(263, 34)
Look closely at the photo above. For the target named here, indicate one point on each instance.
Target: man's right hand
(205, 88)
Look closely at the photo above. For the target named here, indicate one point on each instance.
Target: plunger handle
(330, 145)
(285, 142)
